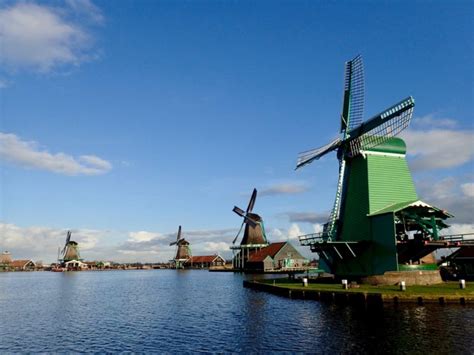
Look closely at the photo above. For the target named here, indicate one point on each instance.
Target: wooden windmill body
(254, 237)
(183, 251)
(70, 250)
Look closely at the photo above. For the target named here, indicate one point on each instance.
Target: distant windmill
(254, 237)
(70, 250)
(183, 251)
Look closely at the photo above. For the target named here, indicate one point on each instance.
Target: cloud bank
(29, 155)
(284, 189)
(438, 144)
(40, 38)
(41, 243)
(452, 194)
(307, 217)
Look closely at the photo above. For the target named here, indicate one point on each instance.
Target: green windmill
(377, 223)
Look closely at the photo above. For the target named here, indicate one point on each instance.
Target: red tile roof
(19, 263)
(203, 259)
(270, 250)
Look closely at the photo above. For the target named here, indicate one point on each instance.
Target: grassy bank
(441, 292)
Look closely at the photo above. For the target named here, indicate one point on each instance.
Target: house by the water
(204, 261)
(22, 265)
(275, 257)
(7, 263)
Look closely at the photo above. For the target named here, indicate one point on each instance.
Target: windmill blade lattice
(357, 135)
(178, 236)
(381, 127)
(68, 239)
(245, 214)
(314, 154)
(353, 101)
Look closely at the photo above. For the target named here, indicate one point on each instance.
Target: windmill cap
(393, 145)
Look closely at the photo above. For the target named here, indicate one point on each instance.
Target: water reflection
(182, 311)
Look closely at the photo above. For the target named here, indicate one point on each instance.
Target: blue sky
(121, 121)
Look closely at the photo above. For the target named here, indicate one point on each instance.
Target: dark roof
(204, 258)
(467, 252)
(271, 251)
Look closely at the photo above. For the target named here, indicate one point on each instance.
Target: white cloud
(216, 247)
(452, 194)
(465, 228)
(275, 234)
(431, 122)
(155, 246)
(88, 9)
(468, 189)
(318, 228)
(284, 189)
(439, 148)
(294, 231)
(28, 154)
(41, 38)
(144, 236)
(41, 243)
(309, 217)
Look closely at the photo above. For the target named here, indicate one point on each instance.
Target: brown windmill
(70, 250)
(254, 237)
(183, 251)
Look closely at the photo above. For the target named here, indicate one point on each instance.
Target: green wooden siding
(390, 181)
(375, 181)
(384, 248)
(355, 224)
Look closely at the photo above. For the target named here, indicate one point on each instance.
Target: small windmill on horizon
(254, 237)
(183, 250)
(70, 250)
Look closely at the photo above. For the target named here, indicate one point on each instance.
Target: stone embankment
(447, 293)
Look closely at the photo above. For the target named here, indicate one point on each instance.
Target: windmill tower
(70, 250)
(183, 251)
(254, 237)
(376, 200)
(5, 257)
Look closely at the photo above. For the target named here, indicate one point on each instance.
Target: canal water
(194, 310)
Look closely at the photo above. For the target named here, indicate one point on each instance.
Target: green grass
(447, 289)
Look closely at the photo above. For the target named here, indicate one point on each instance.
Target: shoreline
(442, 294)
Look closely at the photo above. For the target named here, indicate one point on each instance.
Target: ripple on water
(182, 311)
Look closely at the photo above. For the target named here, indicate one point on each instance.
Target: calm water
(184, 311)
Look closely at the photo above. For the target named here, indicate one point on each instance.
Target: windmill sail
(254, 232)
(357, 136)
(178, 236)
(183, 251)
(353, 100)
(381, 127)
(70, 250)
(314, 154)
